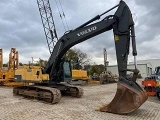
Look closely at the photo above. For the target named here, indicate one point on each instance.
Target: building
(153, 62)
(146, 67)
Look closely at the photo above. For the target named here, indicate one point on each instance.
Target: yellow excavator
(129, 96)
(80, 77)
(29, 74)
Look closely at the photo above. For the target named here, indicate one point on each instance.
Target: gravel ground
(69, 108)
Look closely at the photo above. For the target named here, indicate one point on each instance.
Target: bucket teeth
(103, 106)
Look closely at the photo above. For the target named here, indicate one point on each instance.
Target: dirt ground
(69, 108)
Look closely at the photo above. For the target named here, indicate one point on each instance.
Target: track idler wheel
(76, 92)
(129, 97)
(71, 90)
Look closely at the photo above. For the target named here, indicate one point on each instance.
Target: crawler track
(46, 94)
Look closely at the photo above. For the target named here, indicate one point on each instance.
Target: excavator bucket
(129, 97)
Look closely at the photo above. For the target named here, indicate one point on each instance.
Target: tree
(98, 69)
(77, 58)
(20, 64)
(42, 62)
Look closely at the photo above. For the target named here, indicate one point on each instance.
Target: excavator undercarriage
(49, 94)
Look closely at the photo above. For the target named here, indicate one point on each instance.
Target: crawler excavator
(129, 96)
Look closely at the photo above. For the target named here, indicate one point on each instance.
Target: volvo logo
(87, 31)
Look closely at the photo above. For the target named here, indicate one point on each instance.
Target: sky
(21, 28)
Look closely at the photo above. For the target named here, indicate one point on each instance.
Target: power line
(63, 14)
(60, 16)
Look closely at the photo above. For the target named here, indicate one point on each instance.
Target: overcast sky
(21, 28)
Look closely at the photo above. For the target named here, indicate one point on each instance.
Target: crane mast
(48, 23)
(13, 59)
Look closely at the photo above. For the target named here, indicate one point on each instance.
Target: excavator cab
(67, 73)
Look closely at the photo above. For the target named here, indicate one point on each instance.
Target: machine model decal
(87, 31)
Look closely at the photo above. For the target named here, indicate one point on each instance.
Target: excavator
(129, 96)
